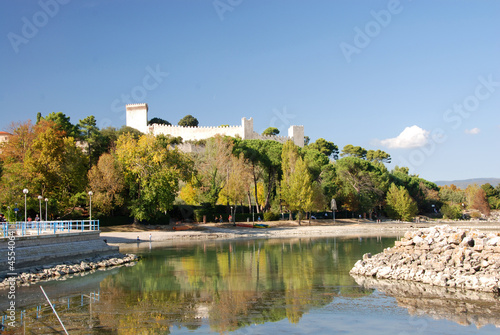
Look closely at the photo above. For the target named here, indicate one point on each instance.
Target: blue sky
(418, 79)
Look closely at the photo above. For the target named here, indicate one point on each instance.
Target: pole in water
(53, 309)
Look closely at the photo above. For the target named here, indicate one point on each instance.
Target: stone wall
(42, 250)
(137, 118)
(440, 256)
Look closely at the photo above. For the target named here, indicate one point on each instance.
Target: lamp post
(25, 191)
(40, 203)
(46, 201)
(16, 209)
(90, 195)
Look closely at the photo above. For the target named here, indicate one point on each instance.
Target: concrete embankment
(440, 256)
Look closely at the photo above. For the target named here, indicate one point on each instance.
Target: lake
(280, 286)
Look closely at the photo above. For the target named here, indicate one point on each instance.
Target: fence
(24, 228)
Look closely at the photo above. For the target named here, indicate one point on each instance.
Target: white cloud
(410, 137)
(473, 131)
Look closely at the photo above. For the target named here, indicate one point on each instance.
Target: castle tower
(137, 116)
(247, 125)
(296, 133)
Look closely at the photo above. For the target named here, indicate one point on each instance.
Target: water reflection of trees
(231, 284)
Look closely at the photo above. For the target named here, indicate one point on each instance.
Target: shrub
(270, 216)
(452, 212)
(475, 215)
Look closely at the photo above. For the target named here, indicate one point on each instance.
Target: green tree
(329, 149)
(352, 151)
(89, 133)
(157, 120)
(188, 121)
(378, 156)
(400, 205)
(362, 185)
(271, 131)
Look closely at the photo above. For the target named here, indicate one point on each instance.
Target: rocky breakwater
(49, 272)
(440, 256)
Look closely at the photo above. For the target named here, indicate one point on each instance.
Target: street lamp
(90, 195)
(25, 191)
(46, 201)
(40, 203)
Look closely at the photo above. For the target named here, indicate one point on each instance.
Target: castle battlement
(137, 117)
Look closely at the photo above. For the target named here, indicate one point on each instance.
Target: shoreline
(282, 229)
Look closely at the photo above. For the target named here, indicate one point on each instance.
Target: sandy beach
(277, 229)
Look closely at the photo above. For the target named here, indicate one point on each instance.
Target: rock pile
(440, 256)
(47, 272)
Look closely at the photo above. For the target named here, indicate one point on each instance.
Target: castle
(137, 117)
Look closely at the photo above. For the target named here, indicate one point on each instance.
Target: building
(137, 118)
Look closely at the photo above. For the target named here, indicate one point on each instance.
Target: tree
(271, 131)
(107, 182)
(296, 185)
(352, 151)
(480, 202)
(361, 183)
(89, 133)
(188, 121)
(296, 188)
(212, 168)
(400, 205)
(378, 156)
(152, 173)
(157, 120)
(64, 123)
(329, 149)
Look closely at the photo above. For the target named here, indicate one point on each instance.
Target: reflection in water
(221, 285)
(464, 307)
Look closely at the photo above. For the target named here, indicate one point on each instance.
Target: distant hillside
(466, 182)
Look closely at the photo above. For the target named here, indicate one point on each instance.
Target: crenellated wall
(137, 116)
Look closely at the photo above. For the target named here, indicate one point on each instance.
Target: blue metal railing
(23, 228)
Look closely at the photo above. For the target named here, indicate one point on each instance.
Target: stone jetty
(441, 256)
(49, 272)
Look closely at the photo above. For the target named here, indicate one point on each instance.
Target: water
(280, 286)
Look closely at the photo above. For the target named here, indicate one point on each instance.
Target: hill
(466, 182)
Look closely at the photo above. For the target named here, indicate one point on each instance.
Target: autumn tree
(212, 168)
(399, 204)
(296, 185)
(107, 182)
(64, 123)
(480, 202)
(152, 172)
